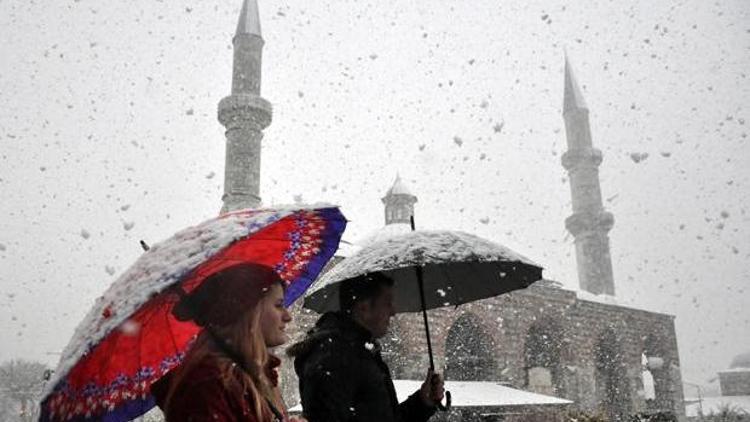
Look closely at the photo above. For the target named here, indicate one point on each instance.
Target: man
(342, 376)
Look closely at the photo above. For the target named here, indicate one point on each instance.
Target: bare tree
(21, 384)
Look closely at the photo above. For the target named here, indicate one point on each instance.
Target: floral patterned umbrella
(130, 339)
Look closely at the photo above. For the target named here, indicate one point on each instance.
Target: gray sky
(109, 135)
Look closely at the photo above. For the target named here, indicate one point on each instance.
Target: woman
(228, 374)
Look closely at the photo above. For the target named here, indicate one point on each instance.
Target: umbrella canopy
(457, 268)
(129, 339)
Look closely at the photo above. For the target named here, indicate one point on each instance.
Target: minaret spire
(399, 203)
(244, 114)
(589, 223)
(249, 22)
(573, 98)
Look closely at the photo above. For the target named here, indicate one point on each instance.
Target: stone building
(735, 392)
(579, 345)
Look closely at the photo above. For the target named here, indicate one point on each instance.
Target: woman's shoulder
(203, 374)
(202, 391)
(206, 370)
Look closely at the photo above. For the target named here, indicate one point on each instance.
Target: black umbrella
(430, 269)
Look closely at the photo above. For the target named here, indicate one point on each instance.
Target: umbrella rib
(171, 334)
(105, 362)
(145, 322)
(140, 339)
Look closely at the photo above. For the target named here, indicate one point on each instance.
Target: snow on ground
(481, 393)
(476, 393)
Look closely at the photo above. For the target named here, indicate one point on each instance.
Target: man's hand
(432, 389)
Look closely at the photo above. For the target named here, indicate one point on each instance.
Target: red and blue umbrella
(130, 339)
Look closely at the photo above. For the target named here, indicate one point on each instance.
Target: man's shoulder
(315, 341)
(328, 331)
(330, 343)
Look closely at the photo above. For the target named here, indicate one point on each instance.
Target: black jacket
(342, 376)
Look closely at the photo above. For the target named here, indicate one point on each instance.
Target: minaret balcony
(581, 222)
(581, 157)
(245, 110)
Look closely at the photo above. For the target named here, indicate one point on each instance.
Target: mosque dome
(384, 232)
(741, 361)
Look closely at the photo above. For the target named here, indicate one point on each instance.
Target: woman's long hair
(245, 339)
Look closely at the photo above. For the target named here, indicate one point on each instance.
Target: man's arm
(421, 405)
(414, 409)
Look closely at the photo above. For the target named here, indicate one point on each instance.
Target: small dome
(741, 361)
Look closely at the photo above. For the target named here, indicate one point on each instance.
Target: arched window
(542, 358)
(612, 388)
(468, 351)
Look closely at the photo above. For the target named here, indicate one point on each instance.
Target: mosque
(580, 345)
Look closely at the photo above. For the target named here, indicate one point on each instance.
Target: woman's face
(274, 316)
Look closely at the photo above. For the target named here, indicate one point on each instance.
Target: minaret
(244, 114)
(590, 223)
(399, 203)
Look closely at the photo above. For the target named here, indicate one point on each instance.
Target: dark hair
(362, 288)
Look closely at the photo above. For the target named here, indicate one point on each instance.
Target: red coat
(202, 396)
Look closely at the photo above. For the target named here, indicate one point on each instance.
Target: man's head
(369, 300)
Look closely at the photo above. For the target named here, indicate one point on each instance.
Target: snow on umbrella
(129, 339)
(458, 268)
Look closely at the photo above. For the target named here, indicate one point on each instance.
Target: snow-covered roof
(346, 248)
(708, 405)
(389, 230)
(477, 394)
(604, 298)
(614, 301)
(725, 371)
